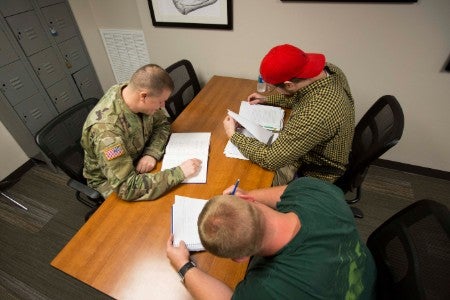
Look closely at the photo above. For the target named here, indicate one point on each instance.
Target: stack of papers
(269, 117)
(184, 146)
(185, 212)
(257, 122)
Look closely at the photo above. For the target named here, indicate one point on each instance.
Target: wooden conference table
(121, 250)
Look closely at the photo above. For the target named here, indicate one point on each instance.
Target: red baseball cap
(285, 62)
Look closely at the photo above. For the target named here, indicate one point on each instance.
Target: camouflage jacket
(114, 139)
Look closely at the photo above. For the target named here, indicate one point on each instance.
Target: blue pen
(235, 187)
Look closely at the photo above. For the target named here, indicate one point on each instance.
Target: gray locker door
(43, 3)
(87, 83)
(35, 112)
(12, 7)
(73, 54)
(47, 66)
(7, 53)
(63, 95)
(28, 32)
(59, 21)
(15, 83)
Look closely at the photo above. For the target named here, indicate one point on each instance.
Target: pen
(235, 187)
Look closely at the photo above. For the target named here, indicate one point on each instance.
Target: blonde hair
(231, 227)
(152, 78)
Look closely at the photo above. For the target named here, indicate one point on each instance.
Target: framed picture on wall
(372, 1)
(214, 14)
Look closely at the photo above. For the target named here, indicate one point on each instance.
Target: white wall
(397, 49)
(12, 156)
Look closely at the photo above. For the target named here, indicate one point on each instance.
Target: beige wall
(397, 49)
(12, 156)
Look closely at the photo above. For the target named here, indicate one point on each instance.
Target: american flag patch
(113, 152)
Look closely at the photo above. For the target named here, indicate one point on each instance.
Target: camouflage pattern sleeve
(155, 146)
(121, 176)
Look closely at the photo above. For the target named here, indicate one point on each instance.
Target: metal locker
(15, 83)
(47, 66)
(87, 83)
(59, 21)
(63, 95)
(12, 7)
(7, 52)
(29, 32)
(73, 54)
(42, 3)
(35, 112)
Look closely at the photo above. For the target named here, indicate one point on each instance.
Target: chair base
(357, 213)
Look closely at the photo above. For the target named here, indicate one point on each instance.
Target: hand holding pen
(235, 187)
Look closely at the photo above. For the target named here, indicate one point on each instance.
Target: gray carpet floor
(29, 240)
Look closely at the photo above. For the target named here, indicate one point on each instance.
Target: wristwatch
(187, 266)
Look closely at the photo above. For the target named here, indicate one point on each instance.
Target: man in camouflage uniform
(317, 138)
(126, 133)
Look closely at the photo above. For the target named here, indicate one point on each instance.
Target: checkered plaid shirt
(318, 135)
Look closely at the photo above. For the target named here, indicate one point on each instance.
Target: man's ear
(240, 259)
(288, 84)
(142, 96)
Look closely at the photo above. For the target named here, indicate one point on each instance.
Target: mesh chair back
(186, 87)
(60, 139)
(379, 129)
(412, 253)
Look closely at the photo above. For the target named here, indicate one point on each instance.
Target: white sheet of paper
(184, 146)
(185, 212)
(261, 134)
(269, 117)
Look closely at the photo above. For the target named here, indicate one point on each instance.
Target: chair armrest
(84, 189)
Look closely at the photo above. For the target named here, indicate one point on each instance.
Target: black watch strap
(187, 266)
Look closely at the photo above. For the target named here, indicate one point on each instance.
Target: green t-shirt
(325, 260)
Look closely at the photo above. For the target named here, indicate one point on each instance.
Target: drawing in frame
(214, 14)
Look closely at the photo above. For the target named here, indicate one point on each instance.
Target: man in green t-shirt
(302, 237)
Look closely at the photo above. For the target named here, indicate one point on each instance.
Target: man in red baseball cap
(317, 138)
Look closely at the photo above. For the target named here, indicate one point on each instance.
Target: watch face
(185, 268)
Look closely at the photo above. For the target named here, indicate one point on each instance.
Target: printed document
(184, 146)
(185, 212)
(269, 117)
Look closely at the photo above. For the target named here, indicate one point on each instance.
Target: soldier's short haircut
(153, 78)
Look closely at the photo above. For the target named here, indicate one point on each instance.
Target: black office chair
(59, 140)
(379, 129)
(412, 253)
(186, 87)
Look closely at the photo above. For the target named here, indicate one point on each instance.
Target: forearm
(149, 186)
(203, 286)
(268, 196)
